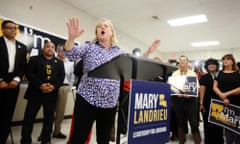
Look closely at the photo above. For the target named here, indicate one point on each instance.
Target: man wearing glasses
(12, 67)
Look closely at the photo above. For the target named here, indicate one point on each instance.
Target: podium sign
(149, 113)
(126, 67)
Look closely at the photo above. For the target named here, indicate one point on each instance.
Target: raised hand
(74, 29)
(152, 47)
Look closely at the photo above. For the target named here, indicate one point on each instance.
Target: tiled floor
(16, 130)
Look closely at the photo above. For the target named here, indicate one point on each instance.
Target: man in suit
(45, 74)
(12, 67)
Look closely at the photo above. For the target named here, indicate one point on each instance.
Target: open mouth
(103, 32)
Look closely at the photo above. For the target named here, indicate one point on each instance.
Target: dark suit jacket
(20, 59)
(36, 75)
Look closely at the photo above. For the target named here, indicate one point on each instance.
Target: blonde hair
(113, 37)
(157, 59)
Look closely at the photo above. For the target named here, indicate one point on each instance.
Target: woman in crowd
(227, 87)
(213, 134)
(186, 107)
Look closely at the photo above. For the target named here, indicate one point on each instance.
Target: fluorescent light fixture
(188, 20)
(206, 43)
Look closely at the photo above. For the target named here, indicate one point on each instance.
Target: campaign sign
(227, 116)
(149, 113)
(186, 85)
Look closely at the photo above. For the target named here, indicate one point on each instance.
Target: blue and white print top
(98, 92)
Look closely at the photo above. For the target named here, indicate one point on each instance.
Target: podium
(126, 67)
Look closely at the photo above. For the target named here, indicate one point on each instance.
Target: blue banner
(34, 38)
(149, 113)
(187, 85)
(227, 116)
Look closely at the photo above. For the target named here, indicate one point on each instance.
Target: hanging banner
(186, 85)
(149, 113)
(34, 38)
(227, 116)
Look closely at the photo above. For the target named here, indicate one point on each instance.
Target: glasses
(11, 28)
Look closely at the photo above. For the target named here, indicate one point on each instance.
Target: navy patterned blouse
(98, 92)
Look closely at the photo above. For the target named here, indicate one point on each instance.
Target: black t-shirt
(229, 81)
(207, 81)
(48, 65)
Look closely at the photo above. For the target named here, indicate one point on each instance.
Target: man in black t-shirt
(45, 74)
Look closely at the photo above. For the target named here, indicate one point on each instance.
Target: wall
(21, 104)
(203, 54)
(52, 15)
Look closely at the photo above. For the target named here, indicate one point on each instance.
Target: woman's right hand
(74, 29)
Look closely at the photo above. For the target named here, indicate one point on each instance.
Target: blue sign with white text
(149, 113)
(187, 85)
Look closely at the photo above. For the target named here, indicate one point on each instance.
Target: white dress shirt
(11, 48)
(69, 75)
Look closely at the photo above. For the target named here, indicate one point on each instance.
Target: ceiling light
(206, 43)
(188, 20)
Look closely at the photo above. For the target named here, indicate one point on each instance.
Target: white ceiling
(134, 17)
